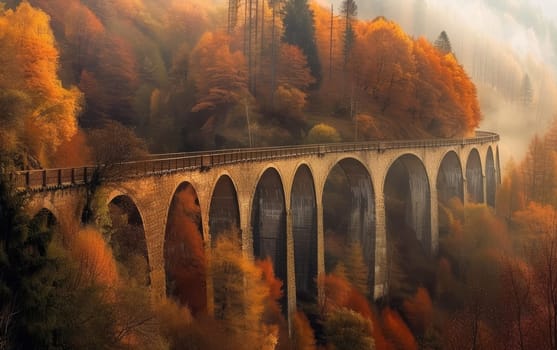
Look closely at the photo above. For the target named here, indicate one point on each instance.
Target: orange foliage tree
(73, 152)
(419, 311)
(96, 263)
(218, 73)
(185, 262)
(396, 330)
(118, 72)
(384, 67)
(447, 102)
(186, 21)
(275, 288)
(510, 195)
(81, 30)
(28, 65)
(303, 333)
(539, 168)
(293, 68)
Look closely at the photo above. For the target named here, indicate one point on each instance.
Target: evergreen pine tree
(349, 10)
(299, 30)
(443, 43)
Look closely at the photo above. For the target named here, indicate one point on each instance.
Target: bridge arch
(490, 178)
(474, 177)
(303, 206)
(45, 208)
(46, 217)
(450, 179)
(349, 215)
(127, 239)
(407, 194)
(224, 211)
(268, 223)
(184, 253)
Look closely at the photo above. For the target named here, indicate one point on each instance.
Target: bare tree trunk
(249, 54)
(273, 55)
(331, 45)
(255, 54)
(246, 29)
(262, 41)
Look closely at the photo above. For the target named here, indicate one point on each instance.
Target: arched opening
(304, 230)
(184, 254)
(407, 197)
(43, 228)
(408, 225)
(127, 239)
(474, 178)
(224, 214)
(450, 188)
(490, 179)
(44, 220)
(349, 223)
(268, 222)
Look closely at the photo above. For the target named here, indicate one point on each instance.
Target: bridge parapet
(49, 179)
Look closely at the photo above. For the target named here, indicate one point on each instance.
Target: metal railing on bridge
(161, 163)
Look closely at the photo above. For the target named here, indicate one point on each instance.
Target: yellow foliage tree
(240, 293)
(28, 65)
(322, 133)
(290, 102)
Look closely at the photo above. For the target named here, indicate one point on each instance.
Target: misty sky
(528, 26)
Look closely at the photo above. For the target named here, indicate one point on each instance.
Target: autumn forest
(106, 81)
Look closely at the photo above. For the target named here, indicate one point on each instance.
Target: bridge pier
(207, 245)
(244, 204)
(381, 262)
(484, 187)
(320, 244)
(434, 212)
(290, 271)
(155, 227)
(465, 194)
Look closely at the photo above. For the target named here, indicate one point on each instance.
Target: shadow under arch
(304, 230)
(184, 254)
(474, 177)
(407, 197)
(224, 212)
(408, 227)
(450, 187)
(349, 219)
(44, 219)
(127, 238)
(450, 182)
(268, 223)
(490, 178)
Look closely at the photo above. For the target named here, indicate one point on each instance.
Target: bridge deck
(45, 179)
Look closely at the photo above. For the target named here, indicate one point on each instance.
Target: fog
(498, 42)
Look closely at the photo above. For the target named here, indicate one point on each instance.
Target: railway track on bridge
(43, 179)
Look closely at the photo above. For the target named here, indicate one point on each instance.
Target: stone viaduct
(275, 197)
